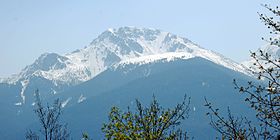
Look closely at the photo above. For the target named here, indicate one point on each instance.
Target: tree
(264, 98)
(49, 118)
(149, 123)
(237, 128)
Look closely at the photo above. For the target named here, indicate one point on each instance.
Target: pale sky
(29, 28)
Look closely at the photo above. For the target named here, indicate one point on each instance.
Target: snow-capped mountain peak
(125, 44)
(272, 49)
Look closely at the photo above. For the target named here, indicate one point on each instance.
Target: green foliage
(147, 123)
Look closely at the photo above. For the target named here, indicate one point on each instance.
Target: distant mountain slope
(168, 76)
(168, 81)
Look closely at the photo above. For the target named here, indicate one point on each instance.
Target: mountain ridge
(111, 48)
(129, 42)
(273, 51)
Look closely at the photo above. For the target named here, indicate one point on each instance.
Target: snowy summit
(116, 47)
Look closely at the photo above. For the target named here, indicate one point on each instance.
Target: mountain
(88, 104)
(59, 72)
(272, 49)
(115, 68)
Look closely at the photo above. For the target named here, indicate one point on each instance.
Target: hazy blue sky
(29, 28)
